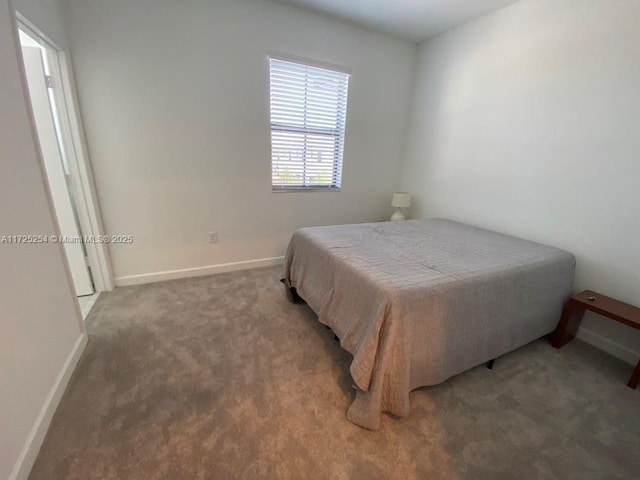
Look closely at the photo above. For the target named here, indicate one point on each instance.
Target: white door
(42, 111)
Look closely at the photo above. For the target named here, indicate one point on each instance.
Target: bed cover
(416, 302)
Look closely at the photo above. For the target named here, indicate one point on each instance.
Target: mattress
(416, 302)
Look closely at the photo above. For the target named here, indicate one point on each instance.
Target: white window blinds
(308, 115)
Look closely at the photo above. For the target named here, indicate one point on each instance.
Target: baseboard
(196, 271)
(36, 436)
(603, 343)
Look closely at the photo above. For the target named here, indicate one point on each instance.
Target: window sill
(304, 189)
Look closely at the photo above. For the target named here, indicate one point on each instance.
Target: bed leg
(490, 364)
(290, 292)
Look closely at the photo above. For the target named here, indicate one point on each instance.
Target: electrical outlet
(213, 237)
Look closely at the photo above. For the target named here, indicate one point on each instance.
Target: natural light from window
(308, 118)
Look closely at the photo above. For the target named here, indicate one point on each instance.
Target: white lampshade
(401, 200)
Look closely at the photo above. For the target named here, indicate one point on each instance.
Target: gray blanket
(419, 301)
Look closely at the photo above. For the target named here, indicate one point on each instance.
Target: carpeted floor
(221, 378)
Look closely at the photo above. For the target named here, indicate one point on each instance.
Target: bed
(416, 302)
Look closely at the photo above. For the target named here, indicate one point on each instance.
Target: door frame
(72, 133)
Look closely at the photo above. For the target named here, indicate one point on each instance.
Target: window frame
(337, 161)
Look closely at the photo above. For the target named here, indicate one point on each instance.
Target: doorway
(67, 172)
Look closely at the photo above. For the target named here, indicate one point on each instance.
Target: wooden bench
(603, 305)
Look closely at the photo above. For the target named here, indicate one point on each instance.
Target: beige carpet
(221, 378)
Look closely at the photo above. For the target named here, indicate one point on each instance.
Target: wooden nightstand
(603, 305)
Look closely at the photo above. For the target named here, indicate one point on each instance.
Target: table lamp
(400, 200)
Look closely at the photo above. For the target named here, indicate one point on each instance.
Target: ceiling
(413, 20)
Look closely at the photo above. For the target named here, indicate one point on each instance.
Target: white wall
(174, 97)
(40, 324)
(526, 121)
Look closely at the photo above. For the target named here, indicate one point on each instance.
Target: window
(308, 115)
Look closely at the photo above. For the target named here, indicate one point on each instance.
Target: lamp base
(397, 215)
